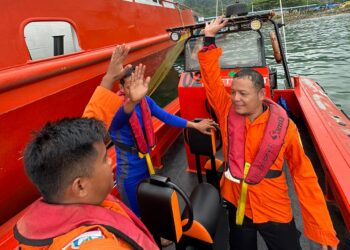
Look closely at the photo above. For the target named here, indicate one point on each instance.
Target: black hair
(60, 152)
(127, 74)
(252, 75)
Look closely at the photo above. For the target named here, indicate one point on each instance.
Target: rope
(178, 8)
(222, 8)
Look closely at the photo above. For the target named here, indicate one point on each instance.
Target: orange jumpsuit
(269, 200)
(103, 105)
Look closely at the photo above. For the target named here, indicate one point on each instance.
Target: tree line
(207, 8)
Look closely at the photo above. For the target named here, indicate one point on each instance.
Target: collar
(262, 118)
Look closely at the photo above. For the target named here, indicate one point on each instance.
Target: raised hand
(139, 84)
(212, 28)
(136, 88)
(115, 70)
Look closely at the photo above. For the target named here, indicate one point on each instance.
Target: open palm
(115, 69)
(138, 86)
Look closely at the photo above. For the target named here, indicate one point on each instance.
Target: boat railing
(37, 70)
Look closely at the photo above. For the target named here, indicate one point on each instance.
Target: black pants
(277, 236)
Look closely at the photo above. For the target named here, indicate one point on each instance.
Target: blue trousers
(131, 170)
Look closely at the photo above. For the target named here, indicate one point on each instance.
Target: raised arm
(104, 102)
(210, 68)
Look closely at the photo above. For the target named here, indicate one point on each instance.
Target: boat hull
(34, 92)
(329, 129)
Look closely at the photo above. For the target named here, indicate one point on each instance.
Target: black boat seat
(206, 206)
(201, 144)
(161, 212)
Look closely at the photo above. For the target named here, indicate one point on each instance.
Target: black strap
(273, 174)
(123, 236)
(31, 242)
(125, 147)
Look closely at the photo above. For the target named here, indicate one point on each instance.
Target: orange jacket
(103, 105)
(269, 200)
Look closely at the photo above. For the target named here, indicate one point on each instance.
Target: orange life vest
(44, 223)
(269, 148)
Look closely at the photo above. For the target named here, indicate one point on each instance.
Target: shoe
(165, 242)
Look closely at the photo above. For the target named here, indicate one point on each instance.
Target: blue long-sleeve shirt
(120, 128)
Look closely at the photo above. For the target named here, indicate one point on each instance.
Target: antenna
(284, 32)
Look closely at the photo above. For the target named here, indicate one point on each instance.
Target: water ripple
(320, 48)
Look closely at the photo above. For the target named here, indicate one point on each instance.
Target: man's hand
(136, 89)
(115, 70)
(203, 126)
(212, 28)
(138, 85)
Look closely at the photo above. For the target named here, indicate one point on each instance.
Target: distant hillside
(207, 8)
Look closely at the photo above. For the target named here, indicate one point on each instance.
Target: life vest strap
(242, 197)
(149, 163)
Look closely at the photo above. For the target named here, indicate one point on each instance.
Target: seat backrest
(161, 213)
(202, 144)
(206, 205)
(160, 209)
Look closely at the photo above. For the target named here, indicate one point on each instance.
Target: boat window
(50, 38)
(243, 49)
(150, 2)
(169, 4)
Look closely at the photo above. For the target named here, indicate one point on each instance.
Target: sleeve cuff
(209, 41)
(208, 44)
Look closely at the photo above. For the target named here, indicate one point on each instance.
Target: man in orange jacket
(258, 136)
(68, 162)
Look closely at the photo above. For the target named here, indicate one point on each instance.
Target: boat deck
(175, 164)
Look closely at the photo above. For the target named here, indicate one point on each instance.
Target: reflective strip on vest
(243, 197)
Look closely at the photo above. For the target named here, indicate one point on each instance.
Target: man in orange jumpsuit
(267, 204)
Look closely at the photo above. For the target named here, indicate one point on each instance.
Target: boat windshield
(241, 49)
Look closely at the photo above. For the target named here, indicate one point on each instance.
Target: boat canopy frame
(239, 24)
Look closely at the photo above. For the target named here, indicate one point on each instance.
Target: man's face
(246, 98)
(101, 180)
